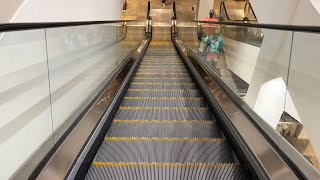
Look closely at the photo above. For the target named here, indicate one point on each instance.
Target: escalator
(163, 128)
(164, 114)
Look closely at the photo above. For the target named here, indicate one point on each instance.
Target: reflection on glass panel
(300, 125)
(25, 118)
(283, 95)
(80, 61)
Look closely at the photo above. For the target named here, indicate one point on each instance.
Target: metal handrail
(314, 29)
(148, 13)
(223, 5)
(248, 4)
(174, 10)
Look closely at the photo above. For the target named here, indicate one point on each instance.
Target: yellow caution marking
(171, 84)
(165, 121)
(175, 70)
(162, 60)
(173, 165)
(164, 73)
(160, 64)
(156, 139)
(170, 67)
(129, 108)
(162, 90)
(163, 98)
(162, 78)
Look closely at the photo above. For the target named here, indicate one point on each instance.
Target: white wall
(273, 62)
(80, 59)
(60, 10)
(8, 9)
(204, 8)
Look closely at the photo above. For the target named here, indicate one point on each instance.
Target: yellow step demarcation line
(157, 139)
(171, 84)
(163, 98)
(161, 165)
(162, 60)
(144, 66)
(162, 78)
(208, 122)
(175, 70)
(163, 69)
(164, 73)
(133, 108)
(162, 90)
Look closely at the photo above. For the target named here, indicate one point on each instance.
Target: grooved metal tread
(168, 102)
(164, 150)
(169, 86)
(204, 129)
(163, 128)
(165, 171)
(163, 93)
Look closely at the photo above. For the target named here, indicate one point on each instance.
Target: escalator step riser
(167, 173)
(164, 115)
(178, 86)
(164, 103)
(197, 130)
(169, 94)
(215, 151)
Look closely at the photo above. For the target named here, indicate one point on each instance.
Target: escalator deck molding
(209, 122)
(164, 108)
(165, 139)
(177, 165)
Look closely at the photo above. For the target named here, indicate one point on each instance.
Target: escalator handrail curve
(248, 4)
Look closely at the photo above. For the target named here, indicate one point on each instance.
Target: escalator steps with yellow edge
(163, 128)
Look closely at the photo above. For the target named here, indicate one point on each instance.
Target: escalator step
(164, 150)
(164, 80)
(162, 70)
(181, 86)
(163, 102)
(163, 128)
(163, 93)
(164, 114)
(163, 75)
(201, 129)
(167, 171)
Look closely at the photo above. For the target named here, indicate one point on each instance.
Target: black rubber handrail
(248, 4)
(148, 13)
(223, 5)
(45, 25)
(314, 29)
(174, 10)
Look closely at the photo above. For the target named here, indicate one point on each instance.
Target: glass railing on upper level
(250, 35)
(249, 14)
(48, 77)
(277, 78)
